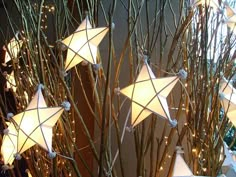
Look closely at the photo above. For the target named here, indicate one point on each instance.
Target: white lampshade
(83, 43)
(148, 95)
(13, 47)
(181, 169)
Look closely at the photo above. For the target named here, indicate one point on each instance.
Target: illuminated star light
(230, 18)
(13, 47)
(228, 100)
(212, 3)
(34, 125)
(181, 169)
(9, 145)
(82, 44)
(148, 95)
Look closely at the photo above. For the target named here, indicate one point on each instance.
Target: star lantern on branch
(83, 43)
(33, 126)
(228, 99)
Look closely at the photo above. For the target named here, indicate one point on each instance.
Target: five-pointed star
(148, 95)
(9, 145)
(34, 125)
(83, 43)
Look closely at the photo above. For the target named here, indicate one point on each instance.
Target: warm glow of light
(231, 18)
(11, 82)
(148, 95)
(13, 49)
(82, 44)
(28, 173)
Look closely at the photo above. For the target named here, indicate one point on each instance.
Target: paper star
(181, 169)
(148, 95)
(13, 47)
(83, 43)
(9, 144)
(228, 103)
(228, 100)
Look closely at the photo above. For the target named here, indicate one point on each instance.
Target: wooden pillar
(81, 139)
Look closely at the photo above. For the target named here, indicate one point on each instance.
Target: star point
(33, 126)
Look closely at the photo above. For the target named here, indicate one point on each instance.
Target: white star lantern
(82, 44)
(181, 169)
(12, 51)
(148, 95)
(33, 126)
(13, 48)
(228, 100)
(211, 3)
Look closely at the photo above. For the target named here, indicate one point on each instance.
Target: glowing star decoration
(82, 44)
(181, 169)
(211, 3)
(148, 95)
(13, 49)
(228, 102)
(226, 87)
(9, 145)
(35, 124)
